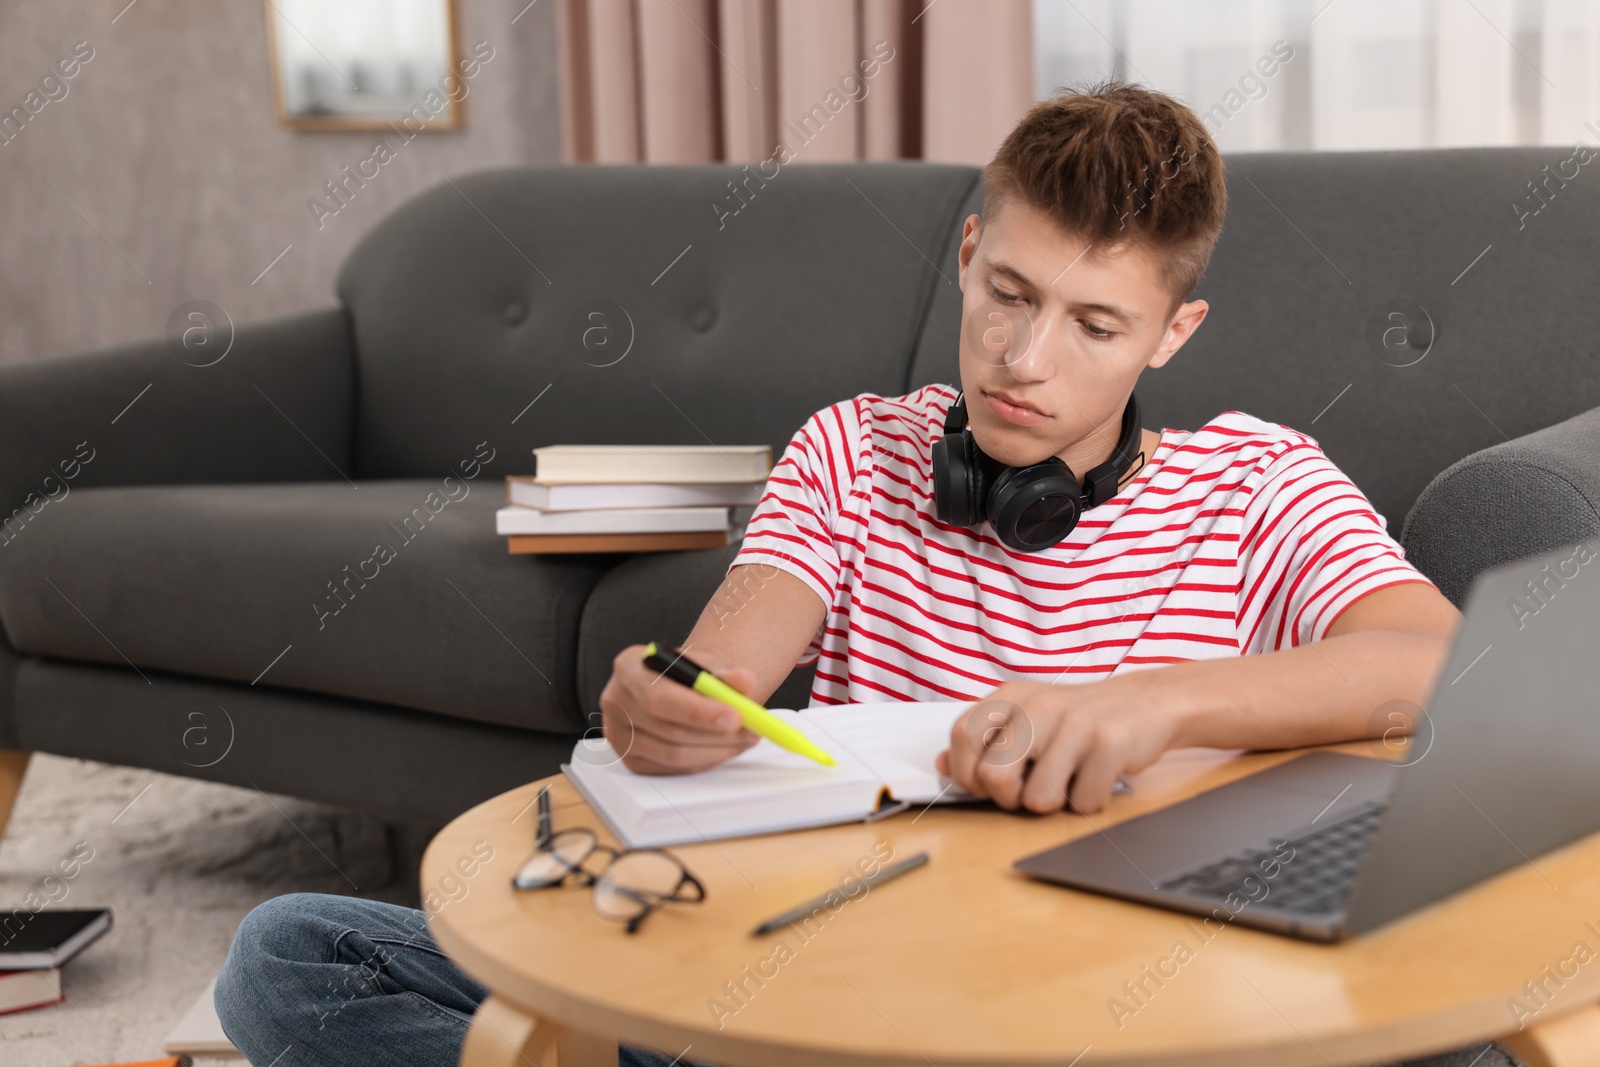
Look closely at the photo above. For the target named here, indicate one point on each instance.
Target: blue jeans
(325, 980)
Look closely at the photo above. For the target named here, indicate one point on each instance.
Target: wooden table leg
(1570, 1040)
(13, 765)
(504, 1036)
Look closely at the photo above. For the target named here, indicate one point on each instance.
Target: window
(1343, 74)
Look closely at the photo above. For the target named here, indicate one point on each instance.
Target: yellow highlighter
(759, 720)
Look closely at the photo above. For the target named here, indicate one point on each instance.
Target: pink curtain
(697, 81)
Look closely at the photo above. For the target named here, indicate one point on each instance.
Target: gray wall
(167, 142)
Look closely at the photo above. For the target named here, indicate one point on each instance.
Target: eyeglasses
(628, 884)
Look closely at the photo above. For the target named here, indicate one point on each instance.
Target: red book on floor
(21, 990)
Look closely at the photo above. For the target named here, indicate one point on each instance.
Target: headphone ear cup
(951, 501)
(1035, 507)
(978, 480)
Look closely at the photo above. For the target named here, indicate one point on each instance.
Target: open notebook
(885, 753)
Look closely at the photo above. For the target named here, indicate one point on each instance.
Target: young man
(1236, 591)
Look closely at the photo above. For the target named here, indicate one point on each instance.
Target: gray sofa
(191, 599)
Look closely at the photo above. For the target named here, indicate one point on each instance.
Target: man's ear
(1185, 321)
(971, 231)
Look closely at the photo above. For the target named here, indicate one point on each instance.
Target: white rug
(180, 862)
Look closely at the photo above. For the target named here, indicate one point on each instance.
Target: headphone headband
(1102, 480)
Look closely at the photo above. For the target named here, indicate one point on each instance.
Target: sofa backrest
(1318, 250)
(748, 310)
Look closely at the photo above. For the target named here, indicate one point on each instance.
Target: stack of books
(39, 944)
(633, 498)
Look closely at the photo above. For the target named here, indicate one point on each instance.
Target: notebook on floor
(199, 1032)
(50, 937)
(885, 754)
(21, 990)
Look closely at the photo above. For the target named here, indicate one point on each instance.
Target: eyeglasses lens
(565, 854)
(633, 882)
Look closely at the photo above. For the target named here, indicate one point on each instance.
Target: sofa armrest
(1506, 502)
(279, 406)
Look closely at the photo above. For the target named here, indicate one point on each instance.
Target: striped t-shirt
(1241, 537)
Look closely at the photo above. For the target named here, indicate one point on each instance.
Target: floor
(179, 862)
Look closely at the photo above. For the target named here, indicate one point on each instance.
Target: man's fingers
(1002, 782)
(1001, 736)
(682, 707)
(692, 710)
(650, 754)
(623, 721)
(669, 701)
(662, 727)
(962, 758)
(1000, 732)
(669, 734)
(1053, 767)
(625, 713)
(688, 728)
(1091, 788)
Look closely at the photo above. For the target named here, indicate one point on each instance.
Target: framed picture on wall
(364, 64)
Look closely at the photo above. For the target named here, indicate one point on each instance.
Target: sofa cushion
(334, 750)
(1516, 499)
(391, 591)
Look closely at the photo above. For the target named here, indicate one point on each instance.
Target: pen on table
(800, 911)
(544, 817)
(759, 720)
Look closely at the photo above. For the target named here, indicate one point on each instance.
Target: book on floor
(519, 520)
(49, 937)
(885, 754)
(554, 464)
(21, 990)
(586, 496)
(170, 1061)
(199, 1032)
(540, 544)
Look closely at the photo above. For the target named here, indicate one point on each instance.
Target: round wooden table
(965, 961)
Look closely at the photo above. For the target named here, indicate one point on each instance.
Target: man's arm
(750, 634)
(762, 618)
(1386, 647)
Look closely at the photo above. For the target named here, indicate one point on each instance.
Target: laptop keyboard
(1314, 880)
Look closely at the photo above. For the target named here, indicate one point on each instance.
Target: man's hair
(1117, 164)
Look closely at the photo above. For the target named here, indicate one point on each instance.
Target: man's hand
(1032, 745)
(661, 727)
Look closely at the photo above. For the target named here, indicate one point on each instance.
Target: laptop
(1504, 766)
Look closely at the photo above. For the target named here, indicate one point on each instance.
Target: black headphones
(1033, 507)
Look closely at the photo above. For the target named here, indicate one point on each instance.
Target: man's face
(1061, 327)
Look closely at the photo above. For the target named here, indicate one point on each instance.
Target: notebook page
(897, 740)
